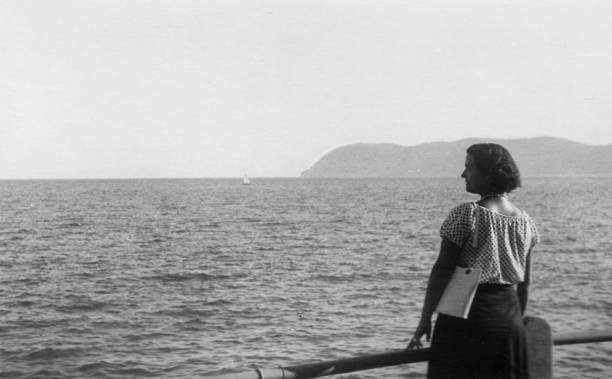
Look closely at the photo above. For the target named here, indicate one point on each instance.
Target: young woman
(497, 237)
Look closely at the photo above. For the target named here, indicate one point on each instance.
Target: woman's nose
(463, 174)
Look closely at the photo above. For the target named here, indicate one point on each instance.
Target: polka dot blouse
(497, 244)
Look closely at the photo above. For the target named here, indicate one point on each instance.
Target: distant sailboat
(245, 180)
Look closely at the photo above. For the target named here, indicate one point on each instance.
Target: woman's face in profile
(475, 181)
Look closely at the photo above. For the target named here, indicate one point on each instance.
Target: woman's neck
(488, 195)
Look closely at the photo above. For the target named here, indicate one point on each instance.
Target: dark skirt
(490, 343)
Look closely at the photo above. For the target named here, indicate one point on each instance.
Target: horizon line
(238, 178)
(483, 138)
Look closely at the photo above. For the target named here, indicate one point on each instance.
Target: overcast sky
(200, 88)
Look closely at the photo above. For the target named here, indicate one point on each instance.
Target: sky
(177, 88)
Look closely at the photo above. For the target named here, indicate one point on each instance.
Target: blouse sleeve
(459, 224)
(535, 234)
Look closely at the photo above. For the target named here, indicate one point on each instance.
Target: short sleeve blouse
(496, 243)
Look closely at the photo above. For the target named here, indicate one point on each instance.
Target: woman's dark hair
(496, 163)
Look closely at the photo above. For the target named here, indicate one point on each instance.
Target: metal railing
(392, 358)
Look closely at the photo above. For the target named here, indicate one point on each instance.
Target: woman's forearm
(522, 290)
(440, 275)
(439, 278)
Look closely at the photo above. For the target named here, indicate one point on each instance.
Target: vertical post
(539, 343)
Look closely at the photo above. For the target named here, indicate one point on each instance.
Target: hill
(541, 156)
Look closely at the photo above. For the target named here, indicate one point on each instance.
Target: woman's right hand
(424, 328)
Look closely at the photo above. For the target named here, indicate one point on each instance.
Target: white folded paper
(459, 293)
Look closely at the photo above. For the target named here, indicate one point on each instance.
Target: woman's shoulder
(459, 224)
(464, 208)
(462, 212)
(529, 220)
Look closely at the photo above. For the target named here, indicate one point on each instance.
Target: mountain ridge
(537, 156)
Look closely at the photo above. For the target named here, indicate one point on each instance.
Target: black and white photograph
(289, 189)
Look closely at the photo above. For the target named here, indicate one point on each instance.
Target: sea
(184, 278)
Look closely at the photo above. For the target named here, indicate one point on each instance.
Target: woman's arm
(522, 288)
(440, 275)
(438, 279)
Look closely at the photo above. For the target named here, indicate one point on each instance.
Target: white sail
(246, 180)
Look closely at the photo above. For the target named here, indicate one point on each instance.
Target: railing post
(539, 344)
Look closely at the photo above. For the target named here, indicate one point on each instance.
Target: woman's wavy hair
(496, 163)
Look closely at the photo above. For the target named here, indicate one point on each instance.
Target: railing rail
(392, 358)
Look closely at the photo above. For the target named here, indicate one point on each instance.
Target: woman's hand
(423, 328)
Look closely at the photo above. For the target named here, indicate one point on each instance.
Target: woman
(496, 236)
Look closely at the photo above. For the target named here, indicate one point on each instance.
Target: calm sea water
(183, 278)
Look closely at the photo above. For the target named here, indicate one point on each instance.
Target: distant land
(541, 156)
